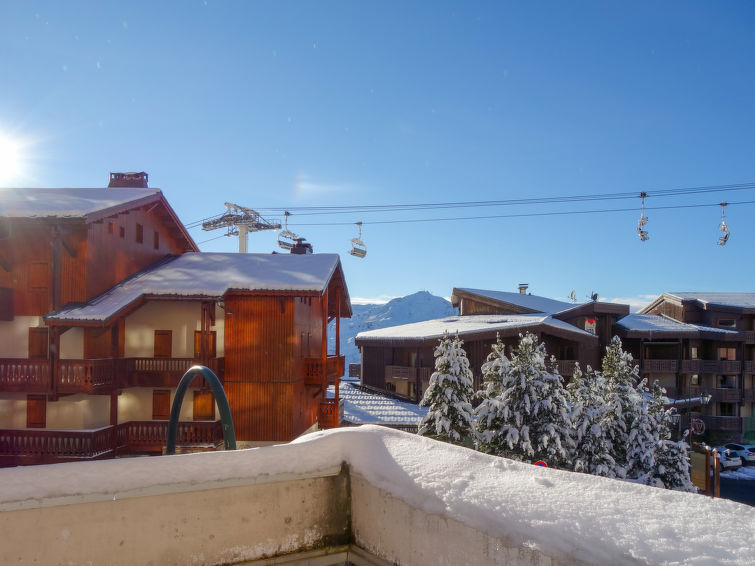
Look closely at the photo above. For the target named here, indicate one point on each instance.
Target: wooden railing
(86, 376)
(659, 366)
(749, 367)
(749, 395)
(733, 424)
(92, 376)
(718, 394)
(30, 446)
(566, 367)
(32, 376)
(750, 337)
(330, 413)
(313, 369)
(711, 366)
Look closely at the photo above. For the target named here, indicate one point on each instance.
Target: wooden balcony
(97, 376)
(749, 367)
(22, 375)
(711, 366)
(749, 395)
(316, 374)
(718, 394)
(566, 367)
(32, 446)
(750, 337)
(659, 366)
(330, 415)
(732, 424)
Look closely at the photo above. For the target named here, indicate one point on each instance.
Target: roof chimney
(129, 180)
(523, 288)
(301, 247)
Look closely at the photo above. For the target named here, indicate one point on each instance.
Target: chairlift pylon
(358, 249)
(286, 238)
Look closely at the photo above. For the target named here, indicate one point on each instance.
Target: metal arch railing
(229, 435)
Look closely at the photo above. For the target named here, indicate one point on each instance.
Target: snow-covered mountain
(402, 310)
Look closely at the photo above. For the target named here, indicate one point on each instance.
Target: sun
(11, 159)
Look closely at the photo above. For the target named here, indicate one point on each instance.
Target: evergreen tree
(449, 395)
(593, 450)
(531, 420)
(672, 465)
(622, 401)
(490, 420)
(643, 436)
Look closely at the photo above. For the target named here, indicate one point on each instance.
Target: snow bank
(568, 516)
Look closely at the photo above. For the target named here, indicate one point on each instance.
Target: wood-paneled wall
(263, 364)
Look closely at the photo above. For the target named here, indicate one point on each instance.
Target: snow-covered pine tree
(534, 419)
(586, 393)
(490, 421)
(622, 401)
(643, 437)
(672, 465)
(449, 395)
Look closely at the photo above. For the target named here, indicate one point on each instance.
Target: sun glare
(10, 159)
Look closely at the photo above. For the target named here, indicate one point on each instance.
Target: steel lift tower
(239, 221)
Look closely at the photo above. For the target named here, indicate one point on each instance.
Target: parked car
(744, 451)
(729, 460)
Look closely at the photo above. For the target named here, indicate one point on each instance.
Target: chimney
(129, 180)
(301, 247)
(523, 288)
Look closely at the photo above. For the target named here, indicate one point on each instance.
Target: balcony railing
(750, 337)
(733, 424)
(313, 369)
(93, 376)
(749, 367)
(330, 413)
(718, 394)
(711, 366)
(659, 366)
(32, 376)
(31, 446)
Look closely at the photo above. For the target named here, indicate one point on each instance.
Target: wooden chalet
(105, 302)
(700, 343)
(400, 359)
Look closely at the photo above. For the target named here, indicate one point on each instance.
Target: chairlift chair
(723, 227)
(286, 238)
(358, 249)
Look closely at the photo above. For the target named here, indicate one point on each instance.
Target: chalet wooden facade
(696, 343)
(400, 360)
(105, 302)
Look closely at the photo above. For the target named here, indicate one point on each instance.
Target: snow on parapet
(571, 517)
(202, 274)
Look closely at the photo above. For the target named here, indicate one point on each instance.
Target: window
(139, 233)
(726, 410)
(204, 406)
(694, 353)
(725, 353)
(163, 343)
(122, 232)
(161, 404)
(694, 379)
(38, 340)
(727, 322)
(727, 381)
(156, 240)
(110, 228)
(198, 344)
(36, 411)
(6, 303)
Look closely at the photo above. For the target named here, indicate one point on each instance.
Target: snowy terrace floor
(401, 498)
(361, 406)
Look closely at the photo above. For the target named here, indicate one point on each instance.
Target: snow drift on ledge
(569, 516)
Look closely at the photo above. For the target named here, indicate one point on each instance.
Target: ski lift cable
(522, 215)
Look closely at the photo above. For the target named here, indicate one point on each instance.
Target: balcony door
(204, 406)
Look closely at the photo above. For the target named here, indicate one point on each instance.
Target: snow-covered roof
(736, 300)
(361, 406)
(572, 517)
(201, 274)
(71, 203)
(531, 302)
(468, 325)
(658, 324)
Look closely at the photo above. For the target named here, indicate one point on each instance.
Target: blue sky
(288, 104)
